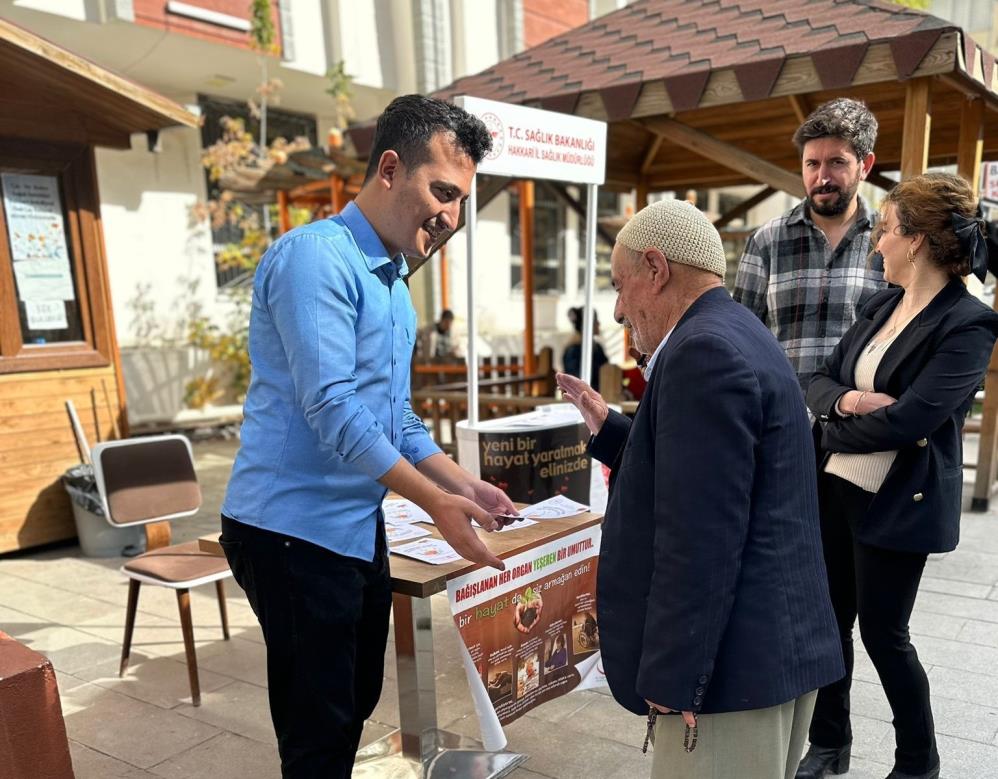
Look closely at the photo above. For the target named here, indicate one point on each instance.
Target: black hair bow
(970, 233)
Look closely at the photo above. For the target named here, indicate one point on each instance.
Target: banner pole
(471, 227)
(587, 322)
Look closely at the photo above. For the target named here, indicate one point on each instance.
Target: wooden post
(337, 192)
(527, 254)
(641, 195)
(283, 214)
(968, 165)
(917, 126)
(444, 279)
(971, 143)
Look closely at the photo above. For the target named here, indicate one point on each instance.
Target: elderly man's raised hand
(588, 401)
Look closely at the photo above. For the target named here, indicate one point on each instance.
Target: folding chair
(147, 481)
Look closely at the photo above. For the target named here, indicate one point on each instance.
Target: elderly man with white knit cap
(713, 608)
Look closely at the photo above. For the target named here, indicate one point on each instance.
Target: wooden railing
(445, 408)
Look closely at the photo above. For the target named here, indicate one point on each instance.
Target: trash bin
(98, 538)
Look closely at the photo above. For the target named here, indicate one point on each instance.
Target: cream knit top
(866, 471)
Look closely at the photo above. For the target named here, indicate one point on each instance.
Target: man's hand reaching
(452, 514)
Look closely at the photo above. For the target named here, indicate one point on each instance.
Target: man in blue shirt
(328, 429)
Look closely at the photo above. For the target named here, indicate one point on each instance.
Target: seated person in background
(572, 358)
(433, 341)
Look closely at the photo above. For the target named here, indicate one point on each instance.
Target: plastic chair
(146, 481)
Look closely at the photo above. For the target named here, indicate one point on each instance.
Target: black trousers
(879, 586)
(325, 621)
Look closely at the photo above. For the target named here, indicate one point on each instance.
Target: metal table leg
(419, 750)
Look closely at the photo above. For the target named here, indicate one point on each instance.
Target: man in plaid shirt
(806, 274)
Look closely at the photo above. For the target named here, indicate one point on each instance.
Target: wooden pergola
(702, 95)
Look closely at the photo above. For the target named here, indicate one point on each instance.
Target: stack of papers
(404, 532)
(399, 511)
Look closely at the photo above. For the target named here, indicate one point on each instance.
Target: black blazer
(933, 368)
(711, 590)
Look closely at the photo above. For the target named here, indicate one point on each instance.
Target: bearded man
(806, 273)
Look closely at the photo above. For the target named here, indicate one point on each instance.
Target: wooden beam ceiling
(726, 154)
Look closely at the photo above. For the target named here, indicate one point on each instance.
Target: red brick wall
(543, 19)
(153, 13)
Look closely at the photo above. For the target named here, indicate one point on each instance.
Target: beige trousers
(757, 744)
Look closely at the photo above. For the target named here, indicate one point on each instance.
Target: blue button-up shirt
(327, 412)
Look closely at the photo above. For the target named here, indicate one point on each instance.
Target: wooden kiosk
(57, 336)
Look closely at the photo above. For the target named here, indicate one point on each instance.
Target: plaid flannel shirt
(802, 290)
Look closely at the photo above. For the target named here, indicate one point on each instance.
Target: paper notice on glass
(404, 532)
(46, 314)
(34, 217)
(428, 550)
(44, 280)
(403, 511)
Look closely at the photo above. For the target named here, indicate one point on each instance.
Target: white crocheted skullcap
(680, 231)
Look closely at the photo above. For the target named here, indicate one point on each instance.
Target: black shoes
(820, 762)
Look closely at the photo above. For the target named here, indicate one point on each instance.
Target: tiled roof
(680, 43)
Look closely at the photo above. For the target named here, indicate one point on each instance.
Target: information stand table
(419, 749)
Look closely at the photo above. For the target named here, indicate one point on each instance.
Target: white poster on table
(33, 209)
(536, 144)
(46, 314)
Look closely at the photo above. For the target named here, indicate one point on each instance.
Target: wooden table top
(420, 580)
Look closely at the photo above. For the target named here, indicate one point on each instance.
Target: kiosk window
(52, 313)
(41, 258)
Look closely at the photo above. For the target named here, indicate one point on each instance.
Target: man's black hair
(409, 123)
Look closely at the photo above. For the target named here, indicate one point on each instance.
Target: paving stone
(526, 773)
(161, 681)
(957, 606)
(68, 649)
(91, 764)
(577, 755)
(954, 654)
(976, 632)
(238, 707)
(962, 759)
(603, 717)
(954, 587)
(121, 727)
(225, 755)
(864, 768)
(868, 735)
(55, 604)
(237, 658)
(924, 623)
(981, 689)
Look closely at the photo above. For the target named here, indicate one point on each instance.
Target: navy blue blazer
(933, 368)
(711, 592)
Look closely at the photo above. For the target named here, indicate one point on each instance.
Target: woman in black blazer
(891, 400)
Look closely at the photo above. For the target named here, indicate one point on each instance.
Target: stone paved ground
(72, 608)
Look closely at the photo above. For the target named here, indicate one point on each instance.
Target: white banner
(536, 144)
